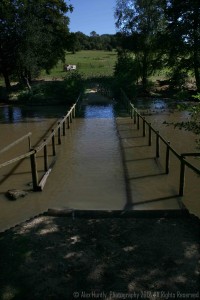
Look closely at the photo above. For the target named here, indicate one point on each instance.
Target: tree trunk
(6, 79)
(27, 82)
(24, 78)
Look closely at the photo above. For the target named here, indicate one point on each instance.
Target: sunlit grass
(89, 63)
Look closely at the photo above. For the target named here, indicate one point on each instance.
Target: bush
(72, 86)
(54, 92)
(126, 74)
(182, 95)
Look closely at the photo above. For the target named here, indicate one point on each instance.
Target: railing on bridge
(138, 119)
(58, 131)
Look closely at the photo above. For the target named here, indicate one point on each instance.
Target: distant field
(89, 63)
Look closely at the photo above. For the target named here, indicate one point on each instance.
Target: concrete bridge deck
(149, 188)
(103, 164)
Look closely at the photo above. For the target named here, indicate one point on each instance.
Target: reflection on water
(98, 111)
(155, 103)
(19, 114)
(10, 115)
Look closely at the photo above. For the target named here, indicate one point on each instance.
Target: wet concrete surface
(88, 174)
(148, 184)
(102, 164)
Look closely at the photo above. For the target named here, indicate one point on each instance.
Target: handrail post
(29, 143)
(59, 134)
(64, 126)
(53, 143)
(131, 112)
(34, 171)
(70, 117)
(182, 176)
(138, 122)
(134, 116)
(68, 122)
(74, 111)
(157, 144)
(144, 127)
(45, 157)
(167, 159)
(149, 134)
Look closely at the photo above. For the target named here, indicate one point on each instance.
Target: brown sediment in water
(89, 171)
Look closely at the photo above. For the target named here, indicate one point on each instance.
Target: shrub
(54, 92)
(72, 86)
(126, 73)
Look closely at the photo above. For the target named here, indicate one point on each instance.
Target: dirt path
(93, 258)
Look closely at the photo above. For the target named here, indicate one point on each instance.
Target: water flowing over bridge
(103, 164)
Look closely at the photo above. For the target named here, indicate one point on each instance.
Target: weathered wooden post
(59, 134)
(74, 111)
(138, 122)
(144, 127)
(167, 159)
(45, 157)
(29, 143)
(68, 122)
(150, 134)
(131, 110)
(53, 143)
(64, 126)
(135, 115)
(157, 144)
(182, 176)
(34, 171)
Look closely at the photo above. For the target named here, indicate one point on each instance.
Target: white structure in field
(69, 67)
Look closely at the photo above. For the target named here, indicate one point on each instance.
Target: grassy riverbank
(61, 86)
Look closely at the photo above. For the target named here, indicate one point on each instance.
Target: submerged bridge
(103, 163)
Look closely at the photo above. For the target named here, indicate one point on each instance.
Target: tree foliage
(162, 33)
(33, 36)
(140, 22)
(81, 41)
(183, 37)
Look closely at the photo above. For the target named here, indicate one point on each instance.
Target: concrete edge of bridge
(73, 213)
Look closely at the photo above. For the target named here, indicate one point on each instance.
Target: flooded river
(89, 171)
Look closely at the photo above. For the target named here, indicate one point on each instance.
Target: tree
(183, 37)
(33, 36)
(139, 22)
(8, 40)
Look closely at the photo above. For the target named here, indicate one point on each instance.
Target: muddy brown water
(89, 171)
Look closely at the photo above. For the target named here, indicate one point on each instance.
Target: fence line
(38, 185)
(136, 116)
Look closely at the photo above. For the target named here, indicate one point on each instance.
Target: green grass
(90, 63)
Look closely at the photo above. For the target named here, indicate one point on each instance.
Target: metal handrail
(32, 153)
(133, 111)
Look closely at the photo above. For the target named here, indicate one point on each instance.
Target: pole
(157, 144)
(34, 170)
(167, 159)
(182, 176)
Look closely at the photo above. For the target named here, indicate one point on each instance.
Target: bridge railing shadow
(149, 158)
